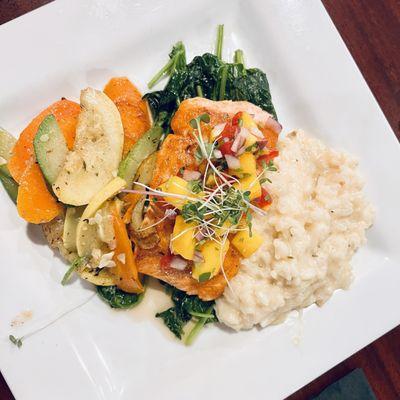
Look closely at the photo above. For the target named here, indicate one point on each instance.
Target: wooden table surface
(371, 31)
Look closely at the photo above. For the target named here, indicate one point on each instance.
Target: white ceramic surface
(97, 353)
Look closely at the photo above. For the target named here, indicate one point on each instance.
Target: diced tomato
(165, 262)
(236, 118)
(267, 157)
(231, 127)
(265, 200)
(226, 148)
(229, 131)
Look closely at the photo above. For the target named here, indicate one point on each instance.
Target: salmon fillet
(177, 151)
(219, 112)
(149, 264)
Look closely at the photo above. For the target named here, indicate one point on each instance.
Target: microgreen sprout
(16, 341)
(269, 167)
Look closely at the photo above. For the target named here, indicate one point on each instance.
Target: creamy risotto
(316, 222)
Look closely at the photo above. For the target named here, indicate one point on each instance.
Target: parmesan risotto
(316, 222)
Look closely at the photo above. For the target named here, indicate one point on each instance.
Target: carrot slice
(35, 204)
(132, 108)
(127, 276)
(66, 113)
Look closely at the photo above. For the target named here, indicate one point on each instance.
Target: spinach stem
(164, 70)
(199, 91)
(220, 40)
(239, 57)
(224, 75)
(198, 327)
(200, 315)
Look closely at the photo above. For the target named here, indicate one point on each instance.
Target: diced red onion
(199, 236)
(217, 153)
(233, 162)
(239, 139)
(189, 175)
(217, 130)
(262, 143)
(273, 125)
(256, 132)
(178, 263)
(241, 150)
(198, 257)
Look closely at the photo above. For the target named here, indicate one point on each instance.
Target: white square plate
(97, 353)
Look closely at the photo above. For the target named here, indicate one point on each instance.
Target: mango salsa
(176, 185)
(248, 122)
(185, 243)
(248, 165)
(251, 184)
(213, 254)
(246, 244)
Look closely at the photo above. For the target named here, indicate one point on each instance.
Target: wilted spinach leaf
(210, 77)
(176, 317)
(117, 298)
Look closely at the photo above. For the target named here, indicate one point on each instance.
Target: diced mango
(248, 122)
(183, 241)
(222, 230)
(251, 184)
(250, 140)
(246, 244)
(176, 185)
(210, 181)
(248, 165)
(213, 254)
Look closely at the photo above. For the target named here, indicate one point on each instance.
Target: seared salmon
(176, 152)
(149, 264)
(222, 111)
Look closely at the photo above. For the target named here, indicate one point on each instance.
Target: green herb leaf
(205, 118)
(269, 167)
(192, 211)
(204, 277)
(195, 186)
(252, 148)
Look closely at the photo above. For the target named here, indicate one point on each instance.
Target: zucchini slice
(97, 152)
(7, 143)
(72, 217)
(86, 235)
(50, 148)
(142, 149)
(8, 182)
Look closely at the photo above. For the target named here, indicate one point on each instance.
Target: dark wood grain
(10, 9)
(381, 364)
(371, 31)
